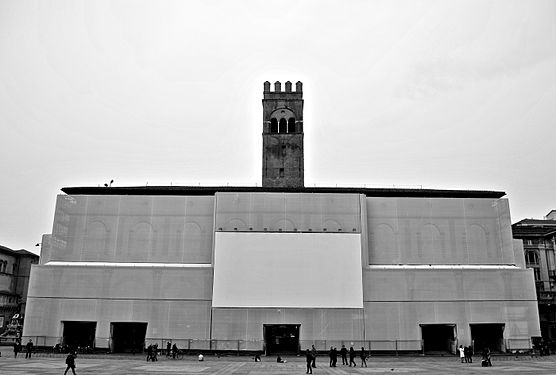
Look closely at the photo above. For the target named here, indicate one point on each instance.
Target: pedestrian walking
(334, 356)
(149, 352)
(352, 357)
(344, 353)
(461, 353)
(70, 362)
(17, 348)
(168, 348)
(28, 349)
(363, 357)
(314, 354)
(309, 359)
(174, 351)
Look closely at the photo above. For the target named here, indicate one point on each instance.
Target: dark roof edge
(16, 253)
(211, 190)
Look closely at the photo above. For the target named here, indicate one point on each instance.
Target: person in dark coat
(149, 353)
(363, 357)
(470, 354)
(344, 353)
(486, 357)
(17, 348)
(174, 351)
(168, 349)
(314, 354)
(70, 362)
(330, 354)
(28, 348)
(334, 357)
(309, 359)
(352, 357)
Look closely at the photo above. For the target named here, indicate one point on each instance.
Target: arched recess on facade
(332, 225)
(141, 241)
(478, 242)
(432, 241)
(235, 224)
(96, 241)
(285, 225)
(384, 247)
(194, 244)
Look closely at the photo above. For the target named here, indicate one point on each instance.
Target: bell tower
(283, 135)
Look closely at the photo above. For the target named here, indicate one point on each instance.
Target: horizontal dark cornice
(211, 190)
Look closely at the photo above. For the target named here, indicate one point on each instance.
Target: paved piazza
(104, 364)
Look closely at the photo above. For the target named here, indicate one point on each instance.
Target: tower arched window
(291, 125)
(531, 258)
(283, 126)
(273, 125)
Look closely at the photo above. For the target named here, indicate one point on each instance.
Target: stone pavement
(110, 364)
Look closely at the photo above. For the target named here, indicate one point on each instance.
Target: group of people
(465, 354)
(18, 348)
(152, 353)
(311, 356)
(171, 350)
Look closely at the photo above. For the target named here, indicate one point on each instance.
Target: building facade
(539, 242)
(281, 267)
(15, 267)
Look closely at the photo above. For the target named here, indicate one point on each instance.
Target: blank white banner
(299, 270)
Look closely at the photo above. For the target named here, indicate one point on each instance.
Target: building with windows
(280, 267)
(15, 267)
(539, 242)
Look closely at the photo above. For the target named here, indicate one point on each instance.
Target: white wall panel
(150, 283)
(287, 270)
(448, 285)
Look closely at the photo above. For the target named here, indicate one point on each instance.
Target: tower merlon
(286, 94)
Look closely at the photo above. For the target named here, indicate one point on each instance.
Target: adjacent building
(539, 242)
(280, 267)
(15, 267)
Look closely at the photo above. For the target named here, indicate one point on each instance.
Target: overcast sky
(439, 94)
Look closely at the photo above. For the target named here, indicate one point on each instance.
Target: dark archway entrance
(488, 335)
(79, 334)
(128, 337)
(438, 338)
(281, 338)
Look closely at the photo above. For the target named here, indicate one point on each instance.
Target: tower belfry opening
(283, 135)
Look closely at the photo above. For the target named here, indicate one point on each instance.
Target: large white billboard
(296, 270)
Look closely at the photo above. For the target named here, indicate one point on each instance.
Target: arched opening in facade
(273, 125)
(291, 125)
(283, 126)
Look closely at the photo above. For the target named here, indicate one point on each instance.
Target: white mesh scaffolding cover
(174, 302)
(288, 212)
(439, 231)
(316, 324)
(401, 320)
(166, 229)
